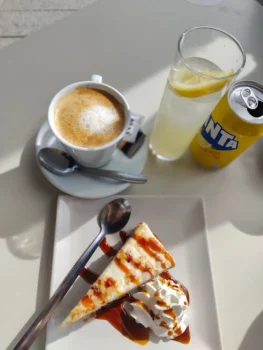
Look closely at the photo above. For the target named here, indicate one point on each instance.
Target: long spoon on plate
(113, 217)
(61, 163)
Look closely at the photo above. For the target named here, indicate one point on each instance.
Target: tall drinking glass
(206, 62)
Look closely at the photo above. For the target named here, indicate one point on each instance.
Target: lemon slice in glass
(188, 84)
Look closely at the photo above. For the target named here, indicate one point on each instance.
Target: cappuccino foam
(89, 118)
(98, 119)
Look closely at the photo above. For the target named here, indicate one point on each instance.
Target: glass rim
(179, 48)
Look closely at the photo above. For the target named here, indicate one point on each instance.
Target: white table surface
(131, 43)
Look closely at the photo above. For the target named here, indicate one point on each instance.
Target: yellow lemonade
(187, 101)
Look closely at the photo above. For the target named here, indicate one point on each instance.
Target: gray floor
(18, 18)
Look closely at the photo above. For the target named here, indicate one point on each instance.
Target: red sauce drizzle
(156, 247)
(138, 265)
(166, 275)
(144, 244)
(110, 282)
(152, 248)
(89, 276)
(124, 236)
(97, 292)
(185, 337)
(162, 303)
(170, 312)
(126, 324)
(126, 270)
(107, 248)
(87, 302)
(115, 313)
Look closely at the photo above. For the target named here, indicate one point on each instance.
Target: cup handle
(96, 78)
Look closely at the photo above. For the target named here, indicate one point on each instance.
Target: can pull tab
(249, 99)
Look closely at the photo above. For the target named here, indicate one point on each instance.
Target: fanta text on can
(234, 125)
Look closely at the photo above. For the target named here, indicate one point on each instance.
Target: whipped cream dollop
(162, 306)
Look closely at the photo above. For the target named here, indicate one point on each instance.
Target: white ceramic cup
(90, 156)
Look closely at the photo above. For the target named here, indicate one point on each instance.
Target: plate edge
(211, 272)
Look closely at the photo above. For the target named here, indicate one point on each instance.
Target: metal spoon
(61, 163)
(113, 217)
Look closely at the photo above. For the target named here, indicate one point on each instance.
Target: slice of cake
(140, 259)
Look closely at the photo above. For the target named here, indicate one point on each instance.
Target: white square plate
(180, 224)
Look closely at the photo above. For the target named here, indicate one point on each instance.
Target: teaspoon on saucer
(61, 163)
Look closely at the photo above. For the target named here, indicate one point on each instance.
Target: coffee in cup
(88, 117)
(85, 104)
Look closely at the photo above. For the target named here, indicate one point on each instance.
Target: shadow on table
(253, 338)
(214, 185)
(79, 288)
(28, 222)
(22, 213)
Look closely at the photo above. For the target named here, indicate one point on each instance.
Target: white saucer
(79, 184)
